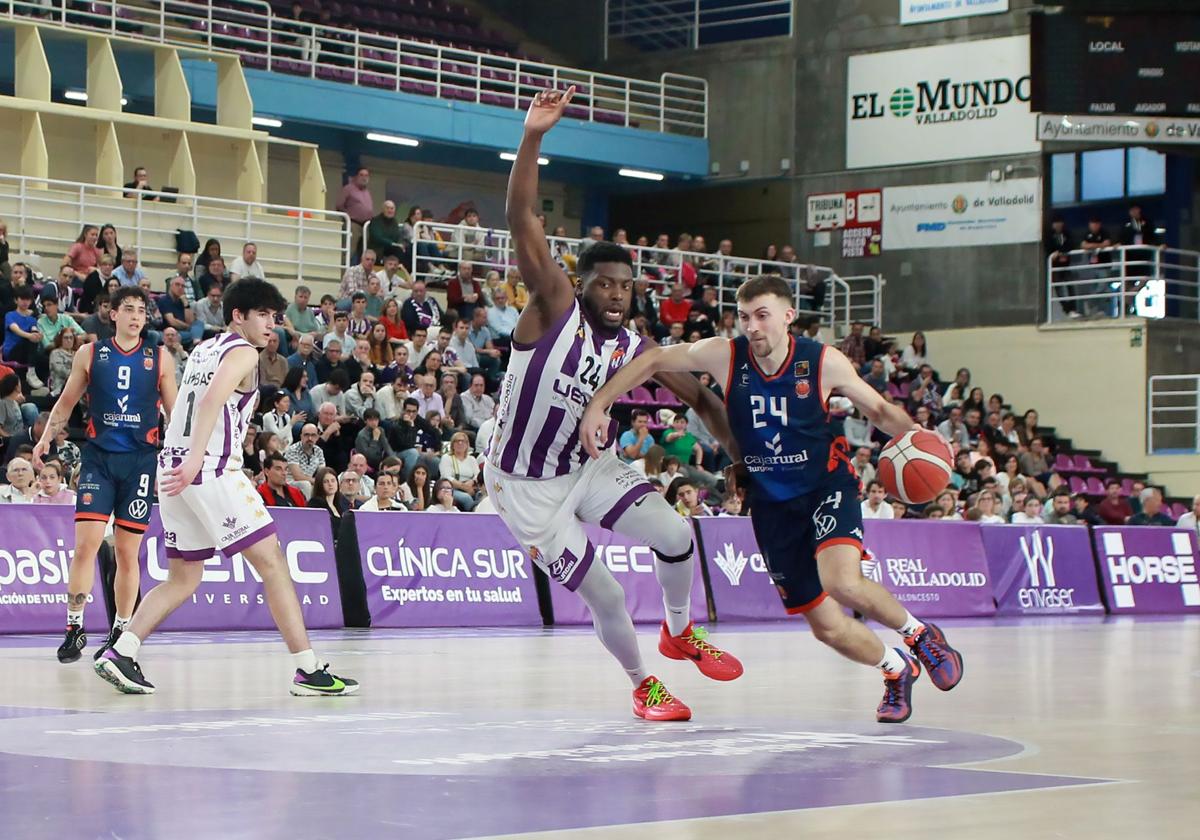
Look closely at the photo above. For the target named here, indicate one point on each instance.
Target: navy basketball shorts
(118, 484)
(791, 533)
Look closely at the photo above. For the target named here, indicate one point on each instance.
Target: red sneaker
(693, 644)
(652, 701)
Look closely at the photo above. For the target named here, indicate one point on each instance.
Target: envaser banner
(230, 595)
(1148, 569)
(36, 548)
(1042, 570)
(632, 564)
(936, 569)
(962, 214)
(968, 99)
(928, 11)
(444, 570)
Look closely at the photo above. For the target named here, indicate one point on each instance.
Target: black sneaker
(322, 683)
(74, 643)
(123, 673)
(111, 640)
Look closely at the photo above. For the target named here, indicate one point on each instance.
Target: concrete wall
(778, 98)
(1089, 382)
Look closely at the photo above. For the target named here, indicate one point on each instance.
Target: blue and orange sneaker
(693, 644)
(652, 701)
(896, 705)
(944, 663)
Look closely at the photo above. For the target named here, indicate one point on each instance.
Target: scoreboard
(1116, 65)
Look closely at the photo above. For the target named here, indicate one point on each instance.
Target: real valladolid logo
(930, 102)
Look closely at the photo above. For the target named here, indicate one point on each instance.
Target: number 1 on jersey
(760, 405)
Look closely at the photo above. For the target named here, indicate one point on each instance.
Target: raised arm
(550, 290)
(72, 392)
(711, 354)
(838, 374)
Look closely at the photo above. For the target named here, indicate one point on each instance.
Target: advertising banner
(1042, 570)
(36, 548)
(936, 569)
(230, 596)
(632, 564)
(968, 99)
(444, 570)
(1148, 570)
(1131, 130)
(863, 235)
(928, 11)
(962, 214)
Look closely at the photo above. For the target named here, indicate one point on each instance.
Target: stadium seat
(1077, 484)
(1095, 487)
(1063, 464)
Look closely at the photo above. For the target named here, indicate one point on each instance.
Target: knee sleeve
(653, 523)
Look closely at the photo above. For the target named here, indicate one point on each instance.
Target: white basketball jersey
(548, 385)
(223, 450)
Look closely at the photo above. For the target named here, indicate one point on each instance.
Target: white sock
(128, 645)
(606, 601)
(305, 661)
(121, 623)
(75, 617)
(911, 626)
(893, 661)
(676, 582)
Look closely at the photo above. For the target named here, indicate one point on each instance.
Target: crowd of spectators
(379, 397)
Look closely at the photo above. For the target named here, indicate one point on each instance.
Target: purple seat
(1178, 509)
(497, 99)
(624, 399)
(1083, 464)
(1095, 487)
(1063, 464)
(1077, 484)
(1126, 487)
(641, 396)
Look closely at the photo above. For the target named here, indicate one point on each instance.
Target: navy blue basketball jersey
(790, 444)
(123, 397)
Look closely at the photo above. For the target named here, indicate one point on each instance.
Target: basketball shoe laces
(657, 694)
(891, 686)
(698, 639)
(929, 652)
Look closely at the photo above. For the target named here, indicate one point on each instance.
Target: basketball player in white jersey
(543, 485)
(206, 502)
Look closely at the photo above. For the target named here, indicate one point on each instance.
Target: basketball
(915, 466)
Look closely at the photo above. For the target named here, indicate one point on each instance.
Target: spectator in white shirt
(863, 466)
(386, 486)
(987, 504)
(418, 348)
(953, 429)
(477, 406)
(428, 399)
(389, 401)
(875, 506)
(1031, 514)
(1189, 519)
(858, 431)
(483, 437)
(247, 265)
(916, 353)
(502, 318)
(471, 238)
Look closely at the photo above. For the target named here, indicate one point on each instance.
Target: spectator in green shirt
(298, 319)
(681, 443)
(375, 297)
(52, 322)
(384, 234)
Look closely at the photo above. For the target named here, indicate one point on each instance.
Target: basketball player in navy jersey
(567, 342)
(801, 486)
(207, 504)
(126, 382)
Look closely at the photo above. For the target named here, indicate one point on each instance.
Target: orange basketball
(915, 466)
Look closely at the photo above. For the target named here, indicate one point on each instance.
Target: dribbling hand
(547, 109)
(593, 429)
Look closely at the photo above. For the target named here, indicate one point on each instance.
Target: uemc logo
(1125, 570)
(930, 227)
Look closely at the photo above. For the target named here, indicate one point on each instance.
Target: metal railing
(1128, 280)
(45, 216)
(691, 24)
(837, 301)
(1173, 414)
(673, 104)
